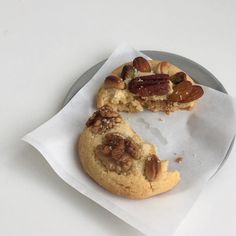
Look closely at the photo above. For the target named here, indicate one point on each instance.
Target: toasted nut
(103, 150)
(118, 151)
(178, 78)
(106, 150)
(195, 94)
(125, 157)
(114, 139)
(97, 123)
(181, 91)
(107, 111)
(163, 67)
(141, 64)
(92, 119)
(126, 165)
(128, 71)
(152, 166)
(118, 169)
(111, 166)
(118, 120)
(132, 148)
(150, 85)
(95, 129)
(113, 81)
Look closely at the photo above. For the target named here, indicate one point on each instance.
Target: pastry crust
(124, 100)
(133, 183)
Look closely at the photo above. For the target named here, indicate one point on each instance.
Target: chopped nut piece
(132, 148)
(118, 150)
(126, 165)
(179, 160)
(97, 123)
(118, 120)
(103, 119)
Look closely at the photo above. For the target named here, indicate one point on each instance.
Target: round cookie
(114, 156)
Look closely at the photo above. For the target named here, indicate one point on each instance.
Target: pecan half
(181, 91)
(128, 71)
(150, 85)
(152, 166)
(141, 64)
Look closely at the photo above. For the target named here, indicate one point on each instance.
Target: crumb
(194, 155)
(179, 160)
(160, 119)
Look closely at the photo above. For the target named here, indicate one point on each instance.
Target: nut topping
(113, 81)
(186, 92)
(128, 71)
(195, 94)
(150, 85)
(152, 166)
(141, 64)
(163, 67)
(178, 78)
(119, 151)
(181, 91)
(132, 148)
(103, 119)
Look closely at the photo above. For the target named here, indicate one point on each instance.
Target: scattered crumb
(179, 160)
(194, 155)
(161, 120)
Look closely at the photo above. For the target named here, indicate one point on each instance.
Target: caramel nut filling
(103, 119)
(117, 153)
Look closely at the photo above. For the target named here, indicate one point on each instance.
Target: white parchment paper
(201, 136)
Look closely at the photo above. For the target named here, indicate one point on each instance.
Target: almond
(152, 166)
(113, 81)
(195, 94)
(141, 64)
(181, 91)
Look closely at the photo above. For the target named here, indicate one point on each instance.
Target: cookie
(154, 85)
(115, 157)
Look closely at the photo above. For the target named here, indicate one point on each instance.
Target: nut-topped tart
(119, 160)
(151, 84)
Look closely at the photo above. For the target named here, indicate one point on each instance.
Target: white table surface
(44, 47)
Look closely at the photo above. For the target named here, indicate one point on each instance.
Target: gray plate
(196, 71)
